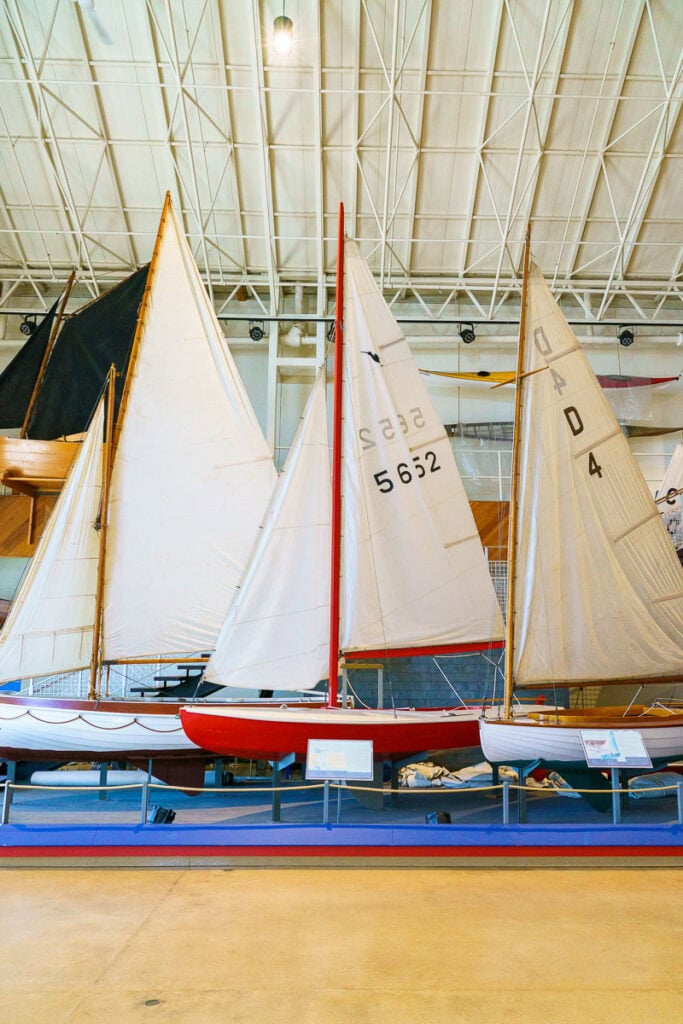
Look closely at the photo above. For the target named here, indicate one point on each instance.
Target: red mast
(336, 467)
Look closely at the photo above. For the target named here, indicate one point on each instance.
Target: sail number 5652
(407, 473)
(387, 429)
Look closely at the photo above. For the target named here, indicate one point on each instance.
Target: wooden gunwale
(651, 720)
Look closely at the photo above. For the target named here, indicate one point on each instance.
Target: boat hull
(57, 729)
(271, 734)
(523, 740)
(51, 729)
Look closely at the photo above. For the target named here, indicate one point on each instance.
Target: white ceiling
(444, 126)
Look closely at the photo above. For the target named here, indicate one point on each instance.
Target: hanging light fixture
(282, 34)
(625, 336)
(467, 334)
(256, 330)
(28, 325)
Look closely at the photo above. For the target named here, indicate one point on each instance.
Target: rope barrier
(421, 790)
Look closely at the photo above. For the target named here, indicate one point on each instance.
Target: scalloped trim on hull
(33, 729)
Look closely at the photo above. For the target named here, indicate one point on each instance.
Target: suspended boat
(497, 377)
(407, 576)
(150, 535)
(595, 590)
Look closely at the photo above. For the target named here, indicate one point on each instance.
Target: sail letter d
(574, 420)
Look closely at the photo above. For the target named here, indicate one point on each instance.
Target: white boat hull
(524, 741)
(63, 731)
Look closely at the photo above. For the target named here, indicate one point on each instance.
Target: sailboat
(37, 389)
(595, 590)
(407, 573)
(149, 538)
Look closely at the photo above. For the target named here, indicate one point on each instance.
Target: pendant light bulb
(282, 35)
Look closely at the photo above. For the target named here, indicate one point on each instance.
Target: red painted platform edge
(547, 852)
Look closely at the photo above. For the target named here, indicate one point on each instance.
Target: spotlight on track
(28, 325)
(256, 331)
(625, 336)
(467, 334)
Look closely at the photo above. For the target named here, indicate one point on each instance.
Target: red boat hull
(272, 738)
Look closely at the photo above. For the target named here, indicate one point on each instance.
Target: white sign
(339, 759)
(614, 748)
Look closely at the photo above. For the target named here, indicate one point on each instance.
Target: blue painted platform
(350, 841)
(234, 826)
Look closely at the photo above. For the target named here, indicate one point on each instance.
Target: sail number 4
(407, 473)
(571, 413)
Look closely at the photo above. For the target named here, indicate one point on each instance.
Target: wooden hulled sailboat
(408, 574)
(595, 590)
(190, 479)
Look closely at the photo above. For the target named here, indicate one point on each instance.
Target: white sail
(192, 474)
(50, 625)
(276, 635)
(673, 478)
(670, 498)
(413, 570)
(599, 587)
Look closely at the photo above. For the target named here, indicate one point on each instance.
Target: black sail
(88, 343)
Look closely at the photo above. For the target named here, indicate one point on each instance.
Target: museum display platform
(234, 825)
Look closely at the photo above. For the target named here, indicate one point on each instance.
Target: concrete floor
(327, 945)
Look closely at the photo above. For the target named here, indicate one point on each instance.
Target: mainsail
(599, 593)
(414, 574)
(50, 626)
(192, 474)
(276, 633)
(191, 479)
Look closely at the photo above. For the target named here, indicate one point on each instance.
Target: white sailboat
(595, 588)
(408, 573)
(190, 481)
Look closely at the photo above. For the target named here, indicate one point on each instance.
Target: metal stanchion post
(144, 802)
(616, 795)
(326, 802)
(102, 794)
(679, 797)
(506, 800)
(6, 801)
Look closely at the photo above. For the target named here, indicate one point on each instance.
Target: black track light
(28, 325)
(256, 330)
(467, 334)
(625, 336)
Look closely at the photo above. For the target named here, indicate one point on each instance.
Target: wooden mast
(46, 354)
(514, 488)
(139, 326)
(104, 515)
(336, 467)
(113, 434)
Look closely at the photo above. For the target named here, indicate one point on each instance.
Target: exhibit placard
(339, 759)
(614, 748)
